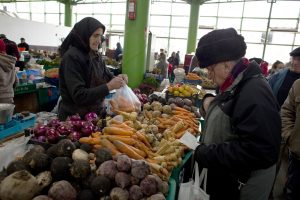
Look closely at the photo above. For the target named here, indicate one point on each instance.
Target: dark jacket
(11, 48)
(80, 93)
(243, 136)
(24, 45)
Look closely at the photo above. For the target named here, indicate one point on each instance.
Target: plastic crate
(26, 88)
(172, 190)
(193, 82)
(35, 72)
(16, 125)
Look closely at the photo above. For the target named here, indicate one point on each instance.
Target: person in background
(194, 63)
(278, 65)
(8, 79)
(173, 60)
(282, 81)
(83, 76)
(11, 47)
(23, 44)
(290, 117)
(262, 64)
(238, 147)
(177, 56)
(162, 64)
(118, 52)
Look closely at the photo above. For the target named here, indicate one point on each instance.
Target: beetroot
(62, 190)
(108, 169)
(16, 165)
(65, 147)
(42, 197)
(119, 194)
(122, 179)
(148, 185)
(139, 169)
(101, 185)
(80, 169)
(135, 193)
(102, 155)
(123, 163)
(134, 180)
(158, 196)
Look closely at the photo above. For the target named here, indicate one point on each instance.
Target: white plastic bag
(125, 100)
(192, 190)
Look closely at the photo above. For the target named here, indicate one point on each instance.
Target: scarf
(237, 69)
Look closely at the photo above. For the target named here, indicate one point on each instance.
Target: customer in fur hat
(7, 75)
(241, 138)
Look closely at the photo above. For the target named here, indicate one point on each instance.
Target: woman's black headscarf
(80, 35)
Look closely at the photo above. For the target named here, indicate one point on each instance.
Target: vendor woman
(84, 78)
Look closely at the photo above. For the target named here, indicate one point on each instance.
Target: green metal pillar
(135, 43)
(193, 26)
(68, 13)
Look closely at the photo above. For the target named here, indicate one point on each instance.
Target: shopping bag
(192, 190)
(125, 100)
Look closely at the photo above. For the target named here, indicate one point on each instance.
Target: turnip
(119, 194)
(62, 190)
(20, 185)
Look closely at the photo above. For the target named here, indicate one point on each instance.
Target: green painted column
(68, 13)
(193, 26)
(135, 43)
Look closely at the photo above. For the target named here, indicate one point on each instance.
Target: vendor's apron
(218, 129)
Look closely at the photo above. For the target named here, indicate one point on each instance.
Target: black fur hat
(220, 45)
(295, 52)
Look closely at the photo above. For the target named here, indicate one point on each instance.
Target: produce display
(129, 155)
(193, 77)
(183, 90)
(64, 172)
(208, 83)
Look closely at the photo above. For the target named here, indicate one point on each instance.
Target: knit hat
(2, 46)
(220, 45)
(295, 52)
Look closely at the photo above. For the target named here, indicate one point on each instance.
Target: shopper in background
(84, 78)
(262, 64)
(118, 52)
(282, 81)
(177, 56)
(8, 77)
(241, 139)
(23, 44)
(162, 65)
(194, 63)
(290, 116)
(278, 65)
(11, 47)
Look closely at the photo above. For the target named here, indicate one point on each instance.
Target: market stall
(132, 152)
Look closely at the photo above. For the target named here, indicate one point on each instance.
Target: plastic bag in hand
(125, 100)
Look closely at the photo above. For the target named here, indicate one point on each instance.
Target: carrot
(138, 151)
(96, 134)
(116, 131)
(126, 140)
(123, 126)
(124, 148)
(106, 143)
(89, 140)
(143, 138)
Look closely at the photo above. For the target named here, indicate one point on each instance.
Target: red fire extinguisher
(132, 9)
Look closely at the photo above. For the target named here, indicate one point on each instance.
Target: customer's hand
(124, 77)
(115, 83)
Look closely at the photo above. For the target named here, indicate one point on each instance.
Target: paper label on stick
(189, 140)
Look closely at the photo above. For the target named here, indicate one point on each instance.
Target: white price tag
(189, 140)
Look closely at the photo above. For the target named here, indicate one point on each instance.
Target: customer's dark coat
(249, 139)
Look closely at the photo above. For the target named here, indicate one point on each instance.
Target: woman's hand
(124, 77)
(115, 83)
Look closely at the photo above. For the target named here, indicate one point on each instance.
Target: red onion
(41, 138)
(90, 116)
(64, 129)
(52, 135)
(74, 117)
(74, 136)
(40, 130)
(54, 123)
(76, 125)
(87, 129)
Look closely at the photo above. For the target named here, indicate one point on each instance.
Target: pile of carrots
(193, 76)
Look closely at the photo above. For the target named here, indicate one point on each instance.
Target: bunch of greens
(151, 81)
